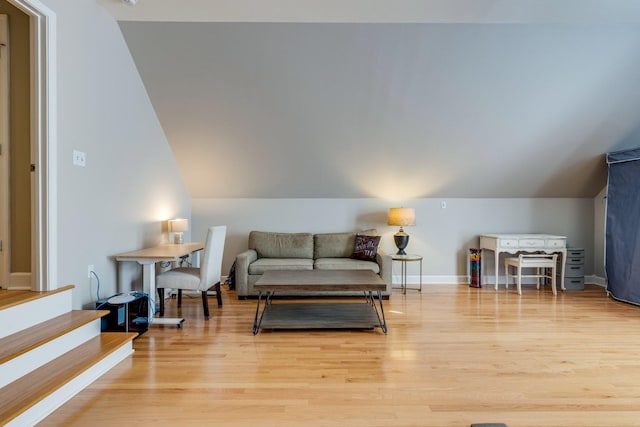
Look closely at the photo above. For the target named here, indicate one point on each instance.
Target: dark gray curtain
(622, 259)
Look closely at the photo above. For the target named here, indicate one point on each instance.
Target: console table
(513, 243)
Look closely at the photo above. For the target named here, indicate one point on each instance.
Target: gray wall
(368, 110)
(131, 182)
(442, 236)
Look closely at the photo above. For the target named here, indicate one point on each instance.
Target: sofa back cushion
(336, 245)
(281, 245)
(333, 245)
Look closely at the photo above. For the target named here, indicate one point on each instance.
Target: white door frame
(42, 24)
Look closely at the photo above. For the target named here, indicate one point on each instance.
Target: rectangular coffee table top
(320, 280)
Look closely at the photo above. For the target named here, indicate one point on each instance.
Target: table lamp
(402, 217)
(178, 227)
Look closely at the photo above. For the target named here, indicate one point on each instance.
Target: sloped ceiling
(453, 101)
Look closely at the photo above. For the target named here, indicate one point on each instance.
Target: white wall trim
(595, 280)
(463, 280)
(413, 280)
(44, 142)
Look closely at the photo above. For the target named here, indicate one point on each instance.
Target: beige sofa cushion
(265, 264)
(345, 264)
(281, 245)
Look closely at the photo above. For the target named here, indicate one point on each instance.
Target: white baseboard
(431, 280)
(595, 280)
(486, 280)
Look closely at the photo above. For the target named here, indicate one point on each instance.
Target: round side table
(404, 259)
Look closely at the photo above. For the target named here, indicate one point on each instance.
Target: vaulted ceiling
(304, 98)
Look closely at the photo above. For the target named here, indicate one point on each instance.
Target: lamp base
(177, 238)
(402, 240)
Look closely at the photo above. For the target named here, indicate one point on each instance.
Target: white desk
(513, 243)
(148, 258)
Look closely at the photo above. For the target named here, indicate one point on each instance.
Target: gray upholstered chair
(198, 279)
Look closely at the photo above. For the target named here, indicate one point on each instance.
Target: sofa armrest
(386, 269)
(243, 260)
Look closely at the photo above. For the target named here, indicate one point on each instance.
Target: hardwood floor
(453, 356)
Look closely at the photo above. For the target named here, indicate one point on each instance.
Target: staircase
(49, 352)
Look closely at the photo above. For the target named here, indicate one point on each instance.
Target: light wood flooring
(453, 356)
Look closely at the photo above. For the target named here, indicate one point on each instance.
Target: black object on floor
(137, 315)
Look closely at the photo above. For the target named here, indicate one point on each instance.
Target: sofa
(307, 251)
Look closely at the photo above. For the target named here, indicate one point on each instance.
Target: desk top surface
(523, 236)
(166, 251)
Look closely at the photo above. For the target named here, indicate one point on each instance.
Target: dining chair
(201, 279)
(545, 265)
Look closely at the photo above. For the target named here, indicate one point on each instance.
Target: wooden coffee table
(320, 314)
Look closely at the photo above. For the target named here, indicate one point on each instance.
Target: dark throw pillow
(366, 247)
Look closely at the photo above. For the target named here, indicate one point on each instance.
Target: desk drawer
(531, 243)
(575, 253)
(508, 243)
(556, 243)
(574, 283)
(575, 260)
(574, 270)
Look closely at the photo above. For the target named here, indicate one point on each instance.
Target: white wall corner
(596, 280)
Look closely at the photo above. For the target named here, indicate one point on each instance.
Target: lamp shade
(178, 225)
(402, 216)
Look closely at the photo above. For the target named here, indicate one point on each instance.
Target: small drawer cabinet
(574, 270)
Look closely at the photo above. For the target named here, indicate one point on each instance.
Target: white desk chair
(199, 279)
(538, 261)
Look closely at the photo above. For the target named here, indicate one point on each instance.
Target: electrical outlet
(89, 270)
(443, 205)
(79, 158)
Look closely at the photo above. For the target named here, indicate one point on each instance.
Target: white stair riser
(33, 359)
(42, 409)
(23, 316)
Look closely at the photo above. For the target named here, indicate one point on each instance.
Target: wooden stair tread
(19, 343)
(25, 392)
(10, 298)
